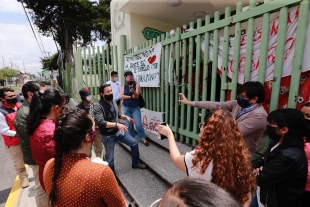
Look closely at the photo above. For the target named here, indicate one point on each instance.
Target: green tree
(67, 21)
(50, 63)
(8, 73)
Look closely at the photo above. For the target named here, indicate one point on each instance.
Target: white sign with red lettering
(150, 120)
(271, 53)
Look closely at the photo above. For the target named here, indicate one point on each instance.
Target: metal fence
(183, 53)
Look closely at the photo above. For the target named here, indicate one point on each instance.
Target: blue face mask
(115, 79)
(244, 103)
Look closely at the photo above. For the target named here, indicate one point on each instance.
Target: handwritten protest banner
(150, 120)
(145, 66)
(271, 53)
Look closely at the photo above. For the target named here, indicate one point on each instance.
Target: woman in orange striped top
(70, 178)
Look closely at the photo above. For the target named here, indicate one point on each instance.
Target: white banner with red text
(145, 66)
(271, 53)
(150, 120)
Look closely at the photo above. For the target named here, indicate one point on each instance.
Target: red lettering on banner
(274, 28)
(290, 41)
(271, 57)
(295, 16)
(150, 125)
(243, 40)
(257, 35)
(255, 65)
(144, 122)
(241, 70)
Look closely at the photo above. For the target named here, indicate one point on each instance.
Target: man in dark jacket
(88, 105)
(20, 123)
(107, 117)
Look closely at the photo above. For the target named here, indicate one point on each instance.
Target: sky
(17, 41)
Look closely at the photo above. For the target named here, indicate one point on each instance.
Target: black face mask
(11, 100)
(271, 132)
(130, 82)
(108, 97)
(243, 102)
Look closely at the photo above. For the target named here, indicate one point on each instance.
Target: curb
(15, 193)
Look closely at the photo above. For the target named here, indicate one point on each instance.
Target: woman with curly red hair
(221, 156)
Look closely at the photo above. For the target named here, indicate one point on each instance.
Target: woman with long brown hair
(221, 156)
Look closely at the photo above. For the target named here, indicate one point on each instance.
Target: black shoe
(146, 143)
(140, 166)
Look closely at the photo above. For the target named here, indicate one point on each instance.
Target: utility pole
(3, 62)
(24, 67)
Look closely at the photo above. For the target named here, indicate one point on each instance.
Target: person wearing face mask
(44, 109)
(247, 110)
(88, 104)
(131, 106)
(20, 124)
(281, 173)
(12, 144)
(106, 116)
(116, 88)
(305, 109)
(71, 179)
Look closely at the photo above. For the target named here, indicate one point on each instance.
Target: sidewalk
(19, 197)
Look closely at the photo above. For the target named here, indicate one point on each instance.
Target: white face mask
(89, 98)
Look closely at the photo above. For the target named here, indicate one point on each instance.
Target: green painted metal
(234, 80)
(280, 47)
(249, 45)
(189, 87)
(177, 73)
(166, 80)
(162, 77)
(123, 48)
(85, 66)
(264, 46)
(205, 65)
(182, 124)
(104, 64)
(171, 96)
(197, 78)
(225, 60)
(79, 67)
(95, 87)
(215, 58)
(99, 69)
(178, 55)
(90, 71)
(298, 57)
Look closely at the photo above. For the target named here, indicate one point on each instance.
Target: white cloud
(18, 43)
(10, 6)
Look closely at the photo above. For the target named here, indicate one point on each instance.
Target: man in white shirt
(116, 88)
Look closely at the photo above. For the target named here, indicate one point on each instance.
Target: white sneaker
(24, 182)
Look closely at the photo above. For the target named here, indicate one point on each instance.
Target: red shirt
(42, 145)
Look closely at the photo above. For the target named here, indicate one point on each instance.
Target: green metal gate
(178, 50)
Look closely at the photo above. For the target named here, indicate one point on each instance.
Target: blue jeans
(135, 114)
(109, 145)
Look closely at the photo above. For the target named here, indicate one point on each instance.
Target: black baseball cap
(84, 92)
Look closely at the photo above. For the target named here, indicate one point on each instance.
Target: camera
(163, 136)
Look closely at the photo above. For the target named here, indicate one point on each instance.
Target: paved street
(7, 174)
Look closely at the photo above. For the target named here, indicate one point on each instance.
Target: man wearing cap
(88, 105)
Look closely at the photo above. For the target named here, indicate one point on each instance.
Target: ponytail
(34, 114)
(40, 106)
(71, 128)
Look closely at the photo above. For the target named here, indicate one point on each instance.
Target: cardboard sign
(150, 120)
